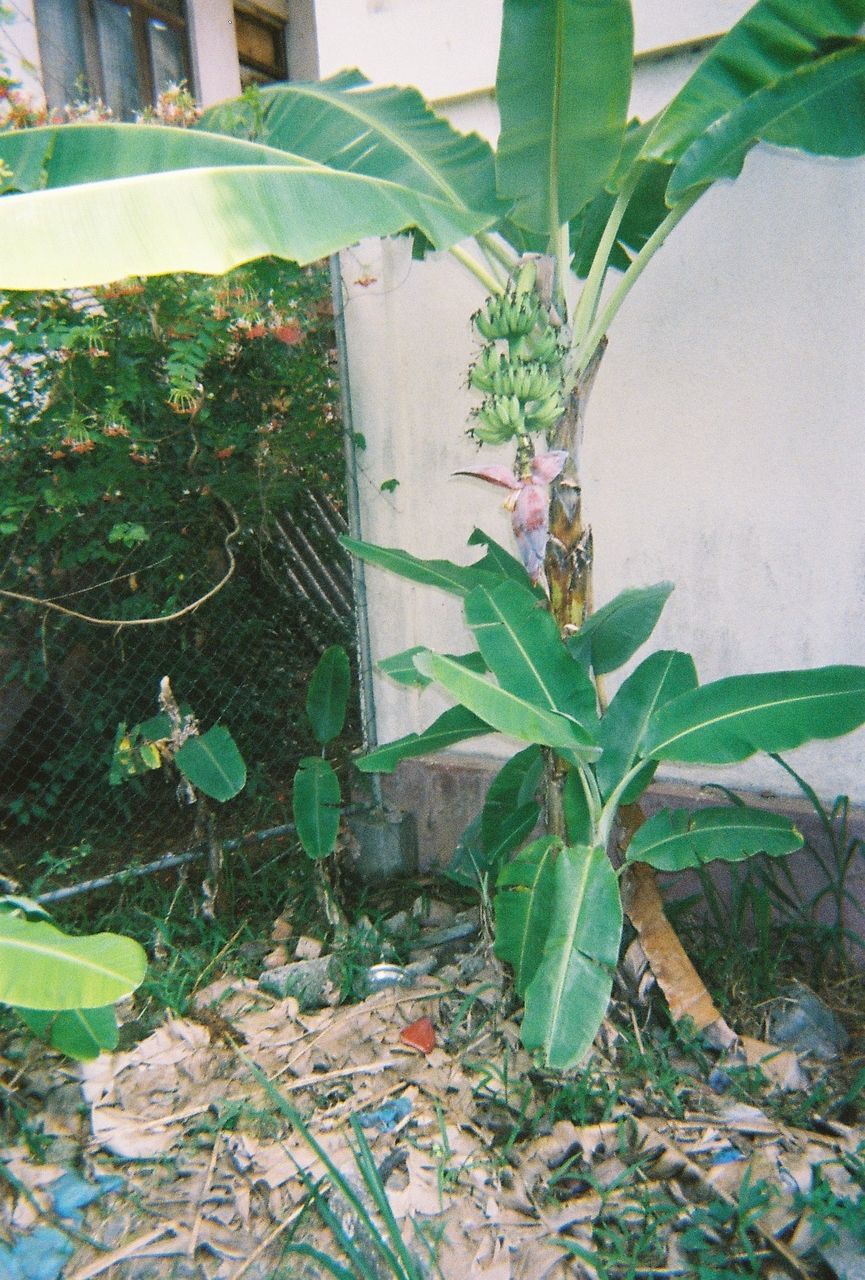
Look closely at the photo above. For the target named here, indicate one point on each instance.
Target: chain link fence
(243, 659)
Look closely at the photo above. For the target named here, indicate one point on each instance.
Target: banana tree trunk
(568, 567)
(568, 562)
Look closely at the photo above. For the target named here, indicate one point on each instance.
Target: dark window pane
(117, 58)
(61, 51)
(170, 6)
(260, 48)
(167, 63)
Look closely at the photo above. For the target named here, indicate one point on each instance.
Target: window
(125, 52)
(260, 48)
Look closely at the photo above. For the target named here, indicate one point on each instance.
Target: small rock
(308, 948)
(845, 1255)
(275, 958)
(309, 981)
(432, 912)
(397, 924)
(800, 1020)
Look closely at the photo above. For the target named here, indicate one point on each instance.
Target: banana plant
(573, 189)
(64, 987)
(558, 906)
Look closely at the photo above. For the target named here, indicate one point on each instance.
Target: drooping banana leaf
(402, 668)
(673, 840)
(820, 106)
(127, 200)
(459, 579)
(563, 85)
(729, 720)
(773, 39)
(382, 132)
(454, 725)
(508, 713)
(569, 993)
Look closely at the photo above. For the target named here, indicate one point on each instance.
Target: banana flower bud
(528, 502)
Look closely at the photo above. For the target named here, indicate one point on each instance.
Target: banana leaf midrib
(695, 833)
(739, 712)
(59, 956)
(223, 172)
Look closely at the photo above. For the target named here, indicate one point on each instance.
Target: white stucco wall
(725, 448)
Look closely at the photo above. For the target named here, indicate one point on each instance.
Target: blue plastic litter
(386, 1118)
(730, 1155)
(70, 1193)
(719, 1081)
(40, 1255)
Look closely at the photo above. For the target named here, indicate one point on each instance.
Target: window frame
(273, 23)
(142, 11)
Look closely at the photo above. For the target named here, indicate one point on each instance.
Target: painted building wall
(725, 446)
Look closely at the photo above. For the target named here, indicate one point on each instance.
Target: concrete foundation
(446, 792)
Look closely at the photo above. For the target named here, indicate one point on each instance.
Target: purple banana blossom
(528, 503)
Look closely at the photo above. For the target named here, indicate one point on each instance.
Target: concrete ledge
(446, 792)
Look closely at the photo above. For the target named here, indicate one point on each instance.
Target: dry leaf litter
(210, 1169)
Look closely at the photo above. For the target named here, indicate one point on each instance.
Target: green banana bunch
(522, 382)
(508, 315)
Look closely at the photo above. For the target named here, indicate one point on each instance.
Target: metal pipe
(175, 860)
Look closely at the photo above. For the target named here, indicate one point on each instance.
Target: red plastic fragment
(419, 1035)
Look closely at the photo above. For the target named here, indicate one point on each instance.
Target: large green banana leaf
(509, 714)
(42, 968)
(772, 40)
(402, 668)
(568, 995)
(614, 633)
(513, 787)
(125, 200)
(454, 725)
(563, 84)
(664, 675)
(675, 839)
(730, 719)
(327, 695)
(387, 133)
(520, 642)
(820, 105)
(213, 764)
(315, 799)
(79, 1033)
(459, 579)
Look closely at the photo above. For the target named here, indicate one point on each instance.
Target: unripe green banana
(491, 429)
(526, 278)
(487, 369)
(546, 414)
